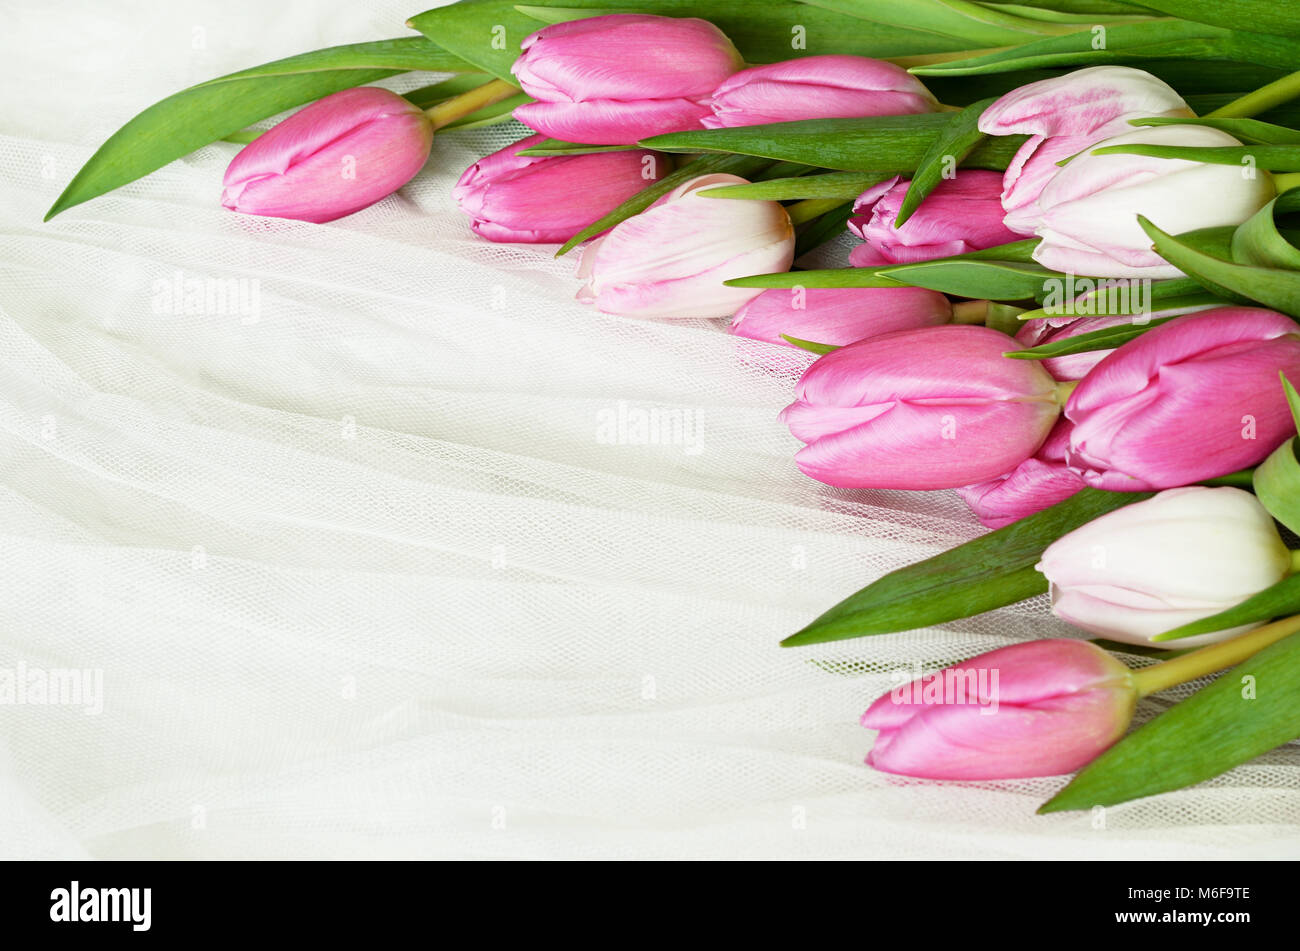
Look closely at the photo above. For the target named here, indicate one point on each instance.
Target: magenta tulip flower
(1063, 116)
(617, 79)
(1189, 400)
(838, 315)
(539, 200)
(672, 259)
(331, 158)
(962, 214)
(1036, 709)
(817, 87)
(931, 408)
(1036, 484)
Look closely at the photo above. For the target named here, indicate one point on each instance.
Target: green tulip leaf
(1250, 131)
(1108, 338)
(846, 185)
(810, 346)
(1014, 253)
(1274, 158)
(1277, 479)
(882, 144)
(995, 280)
(1272, 287)
(1264, 16)
(551, 147)
(1259, 242)
(1139, 43)
(741, 165)
(1251, 709)
(988, 572)
(946, 151)
(822, 229)
(1277, 600)
(205, 113)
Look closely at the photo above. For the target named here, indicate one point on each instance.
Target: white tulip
(1155, 565)
(1089, 210)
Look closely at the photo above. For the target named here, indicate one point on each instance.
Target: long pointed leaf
(202, 114)
(988, 572)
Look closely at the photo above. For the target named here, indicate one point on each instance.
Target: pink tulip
(616, 79)
(1063, 116)
(931, 408)
(536, 200)
(838, 315)
(672, 259)
(1189, 400)
(1040, 708)
(332, 158)
(962, 214)
(1036, 484)
(817, 87)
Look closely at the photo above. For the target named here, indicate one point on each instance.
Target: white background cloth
(365, 573)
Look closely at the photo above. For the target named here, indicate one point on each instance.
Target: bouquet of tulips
(1071, 298)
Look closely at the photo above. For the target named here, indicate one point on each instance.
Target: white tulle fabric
(384, 564)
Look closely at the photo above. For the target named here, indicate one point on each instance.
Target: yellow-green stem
(970, 311)
(1285, 181)
(1064, 389)
(810, 208)
(447, 112)
(1295, 561)
(1213, 658)
(1261, 100)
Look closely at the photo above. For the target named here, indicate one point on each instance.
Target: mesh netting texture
(373, 559)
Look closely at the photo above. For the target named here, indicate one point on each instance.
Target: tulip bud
(1036, 484)
(1072, 366)
(1089, 210)
(931, 408)
(331, 158)
(838, 315)
(961, 214)
(1063, 116)
(817, 87)
(1176, 558)
(617, 79)
(1189, 400)
(537, 200)
(672, 259)
(1040, 708)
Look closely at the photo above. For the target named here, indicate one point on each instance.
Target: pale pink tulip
(1036, 484)
(1063, 116)
(1040, 708)
(1152, 566)
(332, 158)
(838, 315)
(817, 87)
(672, 259)
(616, 79)
(1088, 212)
(538, 200)
(961, 214)
(1189, 400)
(931, 408)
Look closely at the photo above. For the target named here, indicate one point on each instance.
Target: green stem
(1295, 561)
(970, 311)
(810, 208)
(1285, 181)
(447, 112)
(1064, 389)
(1213, 658)
(1261, 100)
